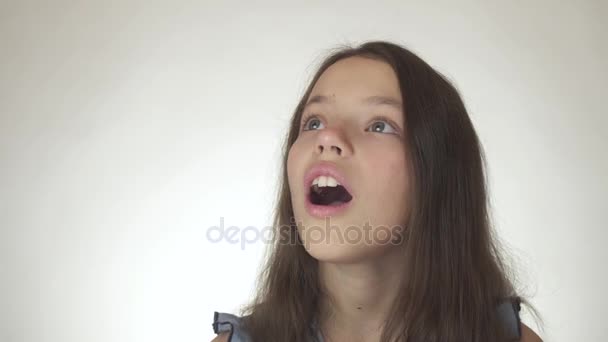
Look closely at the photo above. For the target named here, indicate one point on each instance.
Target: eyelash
(306, 118)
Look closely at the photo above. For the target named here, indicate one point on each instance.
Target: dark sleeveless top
(508, 311)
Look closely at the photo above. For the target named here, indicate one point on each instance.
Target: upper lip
(325, 169)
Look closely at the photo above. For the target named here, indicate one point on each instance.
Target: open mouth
(329, 195)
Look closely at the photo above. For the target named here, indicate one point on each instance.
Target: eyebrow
(371, 100)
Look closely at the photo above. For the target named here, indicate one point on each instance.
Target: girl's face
(355, 132)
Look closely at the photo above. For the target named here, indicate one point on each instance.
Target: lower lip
(322, 211)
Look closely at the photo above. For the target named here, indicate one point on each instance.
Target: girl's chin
(343, 254)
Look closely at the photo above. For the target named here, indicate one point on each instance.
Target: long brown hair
(456, 271)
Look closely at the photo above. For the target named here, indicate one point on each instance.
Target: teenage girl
(382, 222)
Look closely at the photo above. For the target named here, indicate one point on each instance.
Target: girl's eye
(311, 122)
(380, 126)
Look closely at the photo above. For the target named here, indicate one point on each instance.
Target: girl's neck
(358, 297)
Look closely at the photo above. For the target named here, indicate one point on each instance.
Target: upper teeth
(325, 181)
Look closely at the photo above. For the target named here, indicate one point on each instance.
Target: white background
(128, 128)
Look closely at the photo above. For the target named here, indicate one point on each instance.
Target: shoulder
(222, 337)
(229, 328)
(528, 335)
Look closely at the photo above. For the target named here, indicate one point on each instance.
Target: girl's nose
(333, 142)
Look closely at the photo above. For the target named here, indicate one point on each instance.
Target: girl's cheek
(294, 151)
(294, 160)
(302, 143)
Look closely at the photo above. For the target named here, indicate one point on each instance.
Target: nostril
(338, 150)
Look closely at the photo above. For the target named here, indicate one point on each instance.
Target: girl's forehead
(356, 77)
(371, 100)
